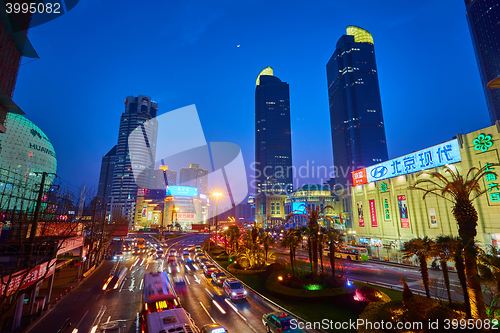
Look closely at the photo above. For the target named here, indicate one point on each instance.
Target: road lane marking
(187, 280)
(231, 305)
(108, 319)
(208, 314)
(142, 281)
(196, 279)
(208, 291)
(219, 307)
(81, 319)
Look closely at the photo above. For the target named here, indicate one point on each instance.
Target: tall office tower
(358, 134)
(14, 45)
(194, 176)
(106, 175)
(273, 139)
(135, 159)
(159, 179)
(484, 25)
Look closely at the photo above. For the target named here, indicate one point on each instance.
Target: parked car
(279, 322)
(234, 289)
(218, 277)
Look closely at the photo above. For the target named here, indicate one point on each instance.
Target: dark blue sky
(185, 52)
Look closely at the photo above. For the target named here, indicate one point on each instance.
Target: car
(173, 268)
(208, 270)
(190, 265)
(180, 285)
(213, 328)
(279, 322)
(218, 277)
(136, 250)
(198, 258)
(119, 255)
(234, 289)
(185, 255)
(172, 259)
(173, 252)
(204, 261)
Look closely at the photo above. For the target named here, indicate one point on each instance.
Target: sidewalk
(64, 281)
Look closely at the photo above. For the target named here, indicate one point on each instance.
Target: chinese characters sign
(373, 213)
(33, 276)
(445, 153)
(185, 216)
(492, 184)
(360, 214)
(387, 214)
(403, 211)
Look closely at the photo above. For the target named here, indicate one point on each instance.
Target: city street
(88, 304)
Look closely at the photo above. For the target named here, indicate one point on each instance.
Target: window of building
(272, 208)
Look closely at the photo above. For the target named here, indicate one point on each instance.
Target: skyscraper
(358, 134)
(135, 155)
(106, 175)
(273, 142)
(194, 176)
(484, 25)
(159, 179)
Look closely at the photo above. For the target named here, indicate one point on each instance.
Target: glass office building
(357, 123)
(483, 17)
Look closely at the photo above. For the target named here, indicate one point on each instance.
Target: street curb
(262, 296)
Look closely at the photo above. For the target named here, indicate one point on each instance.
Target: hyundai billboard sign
(299, 207)
(436, 156)
(183, 191)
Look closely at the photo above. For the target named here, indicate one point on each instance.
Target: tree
(312, 216)
(422, 249)
(292, 240)
(457, 250)
(461, 192)
(322, 239)
(335, 238)
(266, 241)
(443, 251)
(489, 270)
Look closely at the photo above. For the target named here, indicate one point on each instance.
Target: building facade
(194, 176)
(133, 155)
(106, 175)
(14, 45)
(357, 123)
(483, 17)
(312, 196)
(159, 178)
(387, 213)
(273, 144)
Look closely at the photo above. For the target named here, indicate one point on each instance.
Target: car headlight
(233, 293)
(114, 257)
(245, 292)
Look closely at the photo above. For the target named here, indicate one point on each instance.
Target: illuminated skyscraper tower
(358, 134)
(273, 143)
(484, 25)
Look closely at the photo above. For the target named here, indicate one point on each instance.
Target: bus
(159, 293)
(173, 320)
(352, 253)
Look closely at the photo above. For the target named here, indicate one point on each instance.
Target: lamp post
(216, 195)
(174, 209)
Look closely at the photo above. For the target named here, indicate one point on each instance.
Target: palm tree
(322, 239)
(335, 238)
(292, 240)
(443, 251)
(457, 246)
(233, 233)
(266, 241)
(422, 249)
(461, 192)
(312, 216)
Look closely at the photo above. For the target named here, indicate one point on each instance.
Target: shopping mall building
(387, 213)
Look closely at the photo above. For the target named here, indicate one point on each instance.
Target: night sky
(186, 52)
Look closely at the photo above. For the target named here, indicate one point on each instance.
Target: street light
(216, 195)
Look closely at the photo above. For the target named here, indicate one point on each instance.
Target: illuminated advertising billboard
(299, 207)
(183, 191)
(436, 156)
